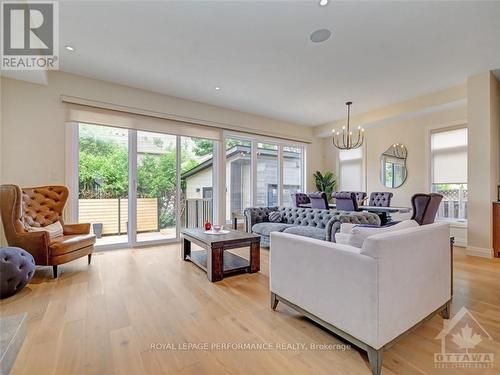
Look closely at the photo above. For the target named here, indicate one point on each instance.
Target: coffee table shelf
(215, 260)
(232, 263)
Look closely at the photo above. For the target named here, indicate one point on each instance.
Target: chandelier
(345, 140)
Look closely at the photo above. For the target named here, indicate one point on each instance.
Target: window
(103, 174)
(449, 172)
(351, 170)
(267, 175)
(238, 172)
(128, 182)
(156, 186)
(196, 181)
(292, 173)
(261, 172)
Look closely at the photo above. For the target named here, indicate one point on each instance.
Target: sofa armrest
(414, 275)
(70, 229)
(254, 215)
(331, 281)
(332, 227)
(35, 243)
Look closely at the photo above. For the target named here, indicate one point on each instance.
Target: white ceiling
(260, 54)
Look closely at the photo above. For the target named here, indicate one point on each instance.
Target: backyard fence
(113, 214)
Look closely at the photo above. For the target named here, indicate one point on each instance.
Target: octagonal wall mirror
(393, 171)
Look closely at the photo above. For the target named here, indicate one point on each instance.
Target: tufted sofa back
(43, 205)
(310, 217)
(254, 215)
(381, 199)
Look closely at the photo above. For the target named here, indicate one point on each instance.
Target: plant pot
(97, 227)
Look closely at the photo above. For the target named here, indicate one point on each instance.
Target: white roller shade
(449, 156)
(351, 170)
(127, 120)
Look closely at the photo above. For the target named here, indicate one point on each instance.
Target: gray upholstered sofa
(308, 222)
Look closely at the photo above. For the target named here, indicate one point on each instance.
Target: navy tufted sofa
(308, 222)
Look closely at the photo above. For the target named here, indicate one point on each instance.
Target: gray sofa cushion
(264, 229)
(319, 234)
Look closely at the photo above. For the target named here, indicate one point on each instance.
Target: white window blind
(351, 170)
(449, 156)
(130, 120)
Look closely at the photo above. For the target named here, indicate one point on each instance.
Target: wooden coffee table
(213, 258)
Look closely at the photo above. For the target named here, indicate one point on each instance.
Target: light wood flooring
(104, 319)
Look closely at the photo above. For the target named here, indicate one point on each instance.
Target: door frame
(72, 181)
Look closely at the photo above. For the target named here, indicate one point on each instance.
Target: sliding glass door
(293, 173)
(267, 175)
(156, 186)
(103, 181)
(238, 178)
(139, 187)
(197, 185)
(261, 171)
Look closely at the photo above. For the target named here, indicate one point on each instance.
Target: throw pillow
(275, 217)
(55, 229)
(359, 234)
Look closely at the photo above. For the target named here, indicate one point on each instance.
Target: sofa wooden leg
(375, 359)
(445, 313)
(90, 258)
(54, 271)
(274, 301)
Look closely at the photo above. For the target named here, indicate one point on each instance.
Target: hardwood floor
(105, 318)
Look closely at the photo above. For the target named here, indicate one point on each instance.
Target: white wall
(34, 122)
(412, 128)
(483, 138)
(198, 181)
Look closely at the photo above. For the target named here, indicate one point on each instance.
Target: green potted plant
(325, 182)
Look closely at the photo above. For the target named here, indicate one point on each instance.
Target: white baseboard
(460, 242)
(479, 252)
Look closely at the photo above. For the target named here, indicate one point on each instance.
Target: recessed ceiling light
(217, 88)
(320, 35)
(323, 3)
(69, 48)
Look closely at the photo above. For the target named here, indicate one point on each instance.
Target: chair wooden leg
(375, 359)
(54, 271)
(90, 258)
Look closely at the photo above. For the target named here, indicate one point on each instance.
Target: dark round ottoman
(17, 268)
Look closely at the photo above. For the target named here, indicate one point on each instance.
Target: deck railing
(197, 212)
(454, 204)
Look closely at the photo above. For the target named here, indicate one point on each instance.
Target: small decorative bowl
(217, 228)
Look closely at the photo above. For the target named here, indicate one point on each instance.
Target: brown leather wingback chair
(39, 207)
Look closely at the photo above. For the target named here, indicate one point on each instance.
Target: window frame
(430, 184)
(280, 143)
